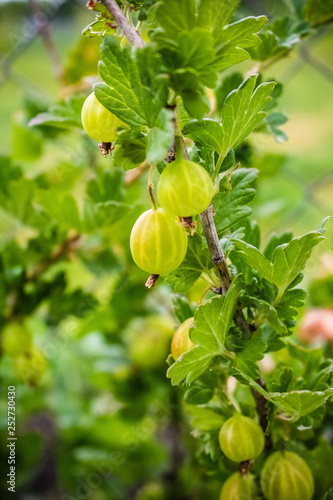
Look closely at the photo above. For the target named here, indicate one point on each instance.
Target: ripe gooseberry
(241, 438)
(285, 476)
(238, 487)
(158, 242)
(98, 122)
(181, 341)
(184, 188)
(16, 339)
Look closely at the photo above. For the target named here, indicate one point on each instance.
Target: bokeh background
(96, 418)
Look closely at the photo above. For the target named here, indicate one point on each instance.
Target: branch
(130, 32)
(262, 412)
(43, 28)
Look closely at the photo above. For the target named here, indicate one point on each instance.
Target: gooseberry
(98, 122)
(241, 438)
(16, 339)
(148, 341)
(181, 341)
(158, 242)
(184, 188)
(285, 476)
(238, 487)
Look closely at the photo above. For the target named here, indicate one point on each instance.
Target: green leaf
(132, 95)
(190, 365)
(211, 323)
(174, 16)
(198, 395)
(131, 148)
(97, 215)
(232, 41)
(181, 308)
(227, 85)
(287, 260)
(212, 320)
(268, 311)
(109, 186)
(160, 137)
(296, 404)
(243, 111)
(197, 260)
(205, 132)
(230, 206)
(254, 258)
(272, 124)
(61, 116)
(246, 360)
(61, 209)
(214, 14)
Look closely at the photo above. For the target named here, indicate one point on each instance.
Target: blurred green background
(101, 421)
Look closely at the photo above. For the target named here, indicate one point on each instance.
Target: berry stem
(151, 187)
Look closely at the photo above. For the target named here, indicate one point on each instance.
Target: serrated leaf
(241, 114)
(160, 137)
(246, 360)
(181, 308)
(233, 39)
(97, 215)
(174, 16)
(131, 148)
(287, 260)
(197, 260)
(211, 323)
(243, 111)
(272, 125)
(254, 258)
(190, 365)
(299, 403)
(268, 311)
(214, 14)
(126, 92)
(62, 209)
(61, 116)
(205, 132)
(198, 395)
(230, 206)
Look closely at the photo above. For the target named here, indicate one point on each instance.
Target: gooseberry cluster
(158, 240)
(285, 475)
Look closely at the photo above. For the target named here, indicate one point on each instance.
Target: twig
(130, 32)
(44, 31)
(262, 412)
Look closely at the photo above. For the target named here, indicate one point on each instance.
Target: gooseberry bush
(170, 110)
(199, 228)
